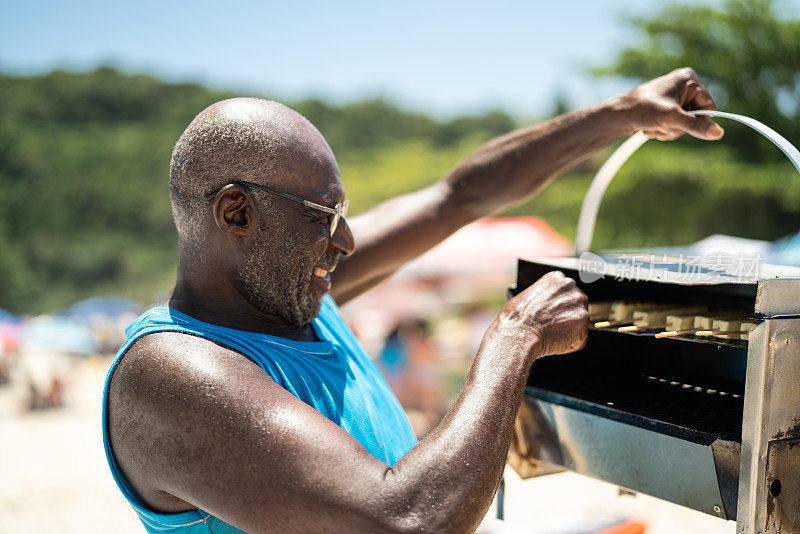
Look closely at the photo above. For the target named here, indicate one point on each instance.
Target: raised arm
(510, 169)
(194, 425)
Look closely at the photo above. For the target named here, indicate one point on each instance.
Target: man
(245, 403)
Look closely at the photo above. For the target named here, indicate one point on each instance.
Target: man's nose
(342, 238)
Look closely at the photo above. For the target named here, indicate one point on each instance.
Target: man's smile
(327, 264)
(322, 273)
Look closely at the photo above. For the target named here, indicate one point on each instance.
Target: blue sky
(441, 57)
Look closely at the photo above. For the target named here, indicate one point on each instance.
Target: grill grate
(660, 399)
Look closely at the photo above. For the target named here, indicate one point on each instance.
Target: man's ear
(234, 211)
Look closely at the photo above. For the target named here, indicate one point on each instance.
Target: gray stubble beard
(279, 281)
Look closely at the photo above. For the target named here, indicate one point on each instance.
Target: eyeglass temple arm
(326, 209)
(310, 204)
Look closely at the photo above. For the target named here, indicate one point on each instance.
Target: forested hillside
(84, 159)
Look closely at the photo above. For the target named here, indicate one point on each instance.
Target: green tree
(746, 51)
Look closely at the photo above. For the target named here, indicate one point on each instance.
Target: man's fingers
(696, 125)
(696, 96)
(662, 107)
(579, 346)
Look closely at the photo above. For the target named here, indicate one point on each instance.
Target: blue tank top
(334, 376)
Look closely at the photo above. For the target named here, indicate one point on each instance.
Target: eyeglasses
(336, 212)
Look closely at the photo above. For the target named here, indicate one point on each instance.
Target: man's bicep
(227, 439)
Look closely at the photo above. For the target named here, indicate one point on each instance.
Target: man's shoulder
(164, 373)
(170, 386)
(166, 350)
(168, 360)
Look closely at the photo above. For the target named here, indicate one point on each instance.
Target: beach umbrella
(490, 246)
(106, 316)
(8, 317)
(57, 334)
(101, 309)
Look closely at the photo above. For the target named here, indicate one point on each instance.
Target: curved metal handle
(601, 180)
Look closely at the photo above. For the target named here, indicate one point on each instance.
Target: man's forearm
(500, 174)
(511, 168)
(446, 483)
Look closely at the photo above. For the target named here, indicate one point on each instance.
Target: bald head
(241, 139)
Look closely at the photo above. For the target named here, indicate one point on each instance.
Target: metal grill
(706, 423)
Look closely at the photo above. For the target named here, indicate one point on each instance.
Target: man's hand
(549, 317)
(660, 107)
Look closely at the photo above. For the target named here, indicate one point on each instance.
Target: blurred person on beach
(408, 362)
(244, 403)
(44, 374)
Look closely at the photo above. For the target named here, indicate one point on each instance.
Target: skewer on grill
(746, 328)
(656, 318)
(725, 325)
(706, 321)
(606, 324)
(692, 319)
(625, 311)
(599, 310)
(680, 322)
(634, 328)
(675, 333)
(622, 312)
(719, 333)
(743, 332)
(678, 325)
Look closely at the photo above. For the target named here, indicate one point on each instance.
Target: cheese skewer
(678, 325)
(706, 321)
(683, 320)
(726, 325)
(717, 333)
(634, 328)
(600, 310)
(673, 333)
(622, 312)
(606, 324)
(643, 314)
(630, 316)
(728, 329)
(743, 332)
(680, 322)
(746, 328)
(656, 318)
(643, 318)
